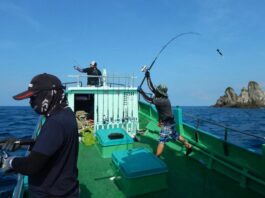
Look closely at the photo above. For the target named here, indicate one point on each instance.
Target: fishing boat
(119, 138)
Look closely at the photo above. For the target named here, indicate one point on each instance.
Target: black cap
(39, 83)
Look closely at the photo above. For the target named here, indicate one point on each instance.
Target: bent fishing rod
(145, 69)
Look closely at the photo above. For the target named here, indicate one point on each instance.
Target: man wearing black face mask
(52, 162)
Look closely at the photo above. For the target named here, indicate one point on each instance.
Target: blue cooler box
(139, 171)
(106, 145)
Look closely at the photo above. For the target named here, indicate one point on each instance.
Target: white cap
(93, 63)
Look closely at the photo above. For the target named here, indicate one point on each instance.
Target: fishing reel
(144, 68)
(3, 156)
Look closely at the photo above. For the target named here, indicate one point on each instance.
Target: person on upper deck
(166, 118)
(92, 71)
(51, 165)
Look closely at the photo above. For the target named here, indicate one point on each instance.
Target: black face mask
(48, 101)
(41, 102)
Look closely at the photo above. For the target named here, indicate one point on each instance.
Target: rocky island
(251, 97)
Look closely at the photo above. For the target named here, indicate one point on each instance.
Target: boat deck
(186, 177)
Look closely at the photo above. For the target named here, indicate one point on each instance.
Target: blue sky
(122, 35)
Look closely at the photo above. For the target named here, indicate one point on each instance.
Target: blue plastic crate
(102, 136)
(106, 145)
(139, 171)
(138, 162)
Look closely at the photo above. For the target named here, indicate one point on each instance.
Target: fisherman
(166, 118)
(51, 165)
(94, 72)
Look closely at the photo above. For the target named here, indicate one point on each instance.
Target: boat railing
(80, 84)
(226, 130)
(112, 80)
(19, 189)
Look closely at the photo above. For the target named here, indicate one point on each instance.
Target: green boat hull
(215, 168)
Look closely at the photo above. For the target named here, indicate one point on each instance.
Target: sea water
(244, 127)
(15, 122)
(20, 122)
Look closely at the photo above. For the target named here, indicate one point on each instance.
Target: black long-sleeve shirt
(52, 162)
(31, 164)
(92, 71)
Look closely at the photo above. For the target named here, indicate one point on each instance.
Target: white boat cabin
(111, 104)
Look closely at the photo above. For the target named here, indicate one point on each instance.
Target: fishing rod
(112, 107)
(103, 108)
(77, 65)
(118, 94)
(20, 142)
(145, 69)
(132, 114)
(108, 108)
(97, 110)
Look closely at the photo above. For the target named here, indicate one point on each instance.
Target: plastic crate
(139, 171)
(106, 145)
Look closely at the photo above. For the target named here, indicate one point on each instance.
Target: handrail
(199, 120)
(18, 191)
(124, 81)
(70, 83)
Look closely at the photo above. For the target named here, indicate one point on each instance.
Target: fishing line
(163, 48)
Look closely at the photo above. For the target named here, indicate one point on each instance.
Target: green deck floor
(186, 177)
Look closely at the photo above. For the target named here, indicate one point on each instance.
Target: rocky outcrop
(253, 96)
